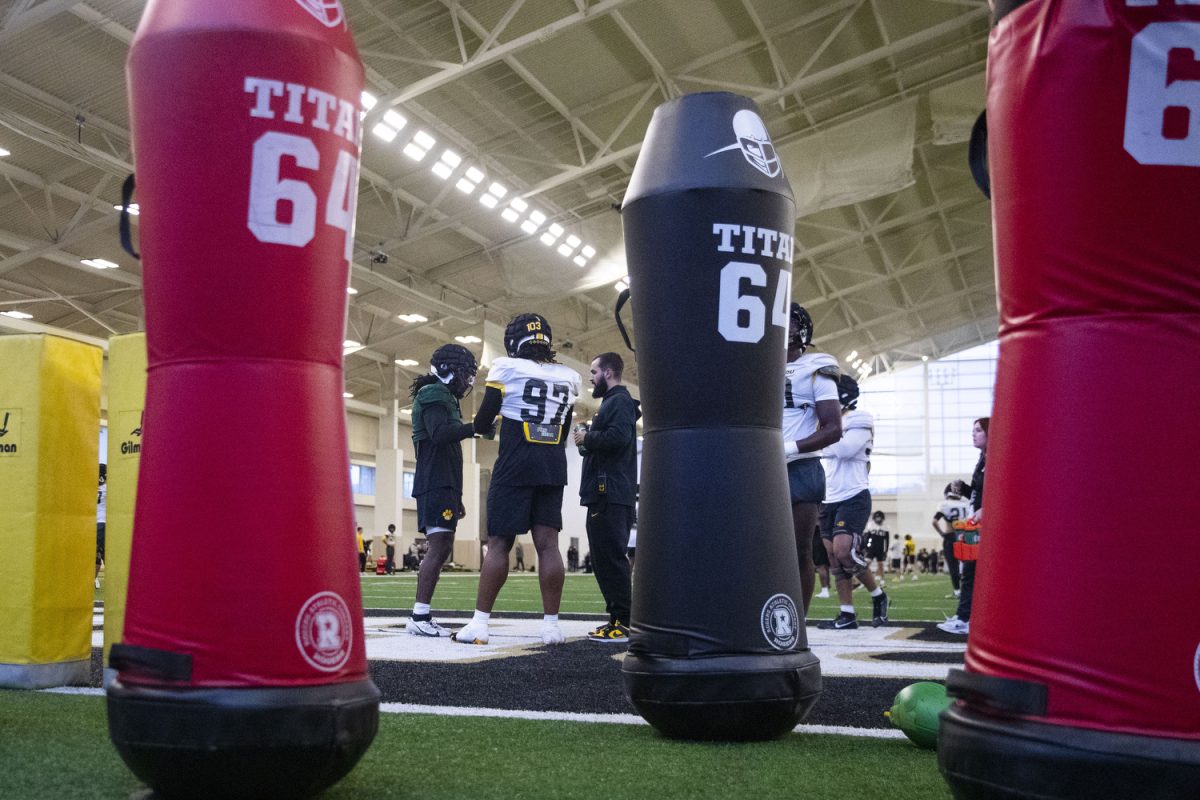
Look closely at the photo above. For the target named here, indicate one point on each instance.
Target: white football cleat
(471, 633)
(552, 634)
(425, 627)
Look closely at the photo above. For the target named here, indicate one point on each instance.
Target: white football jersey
(847, 463)
(802, 388)
(954, 510)
(534, 393)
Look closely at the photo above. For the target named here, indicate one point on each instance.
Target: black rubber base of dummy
(726, 698)
(242, 743)
(983, 756)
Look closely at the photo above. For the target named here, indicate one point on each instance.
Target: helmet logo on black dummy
(754, 142)
(780, 622)
(328, 12)
(324, 631)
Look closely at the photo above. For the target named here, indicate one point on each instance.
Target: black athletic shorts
(438, 508)
(849, 516)
(876, 548)
(806, 480)
(513, 510)
(99, 543)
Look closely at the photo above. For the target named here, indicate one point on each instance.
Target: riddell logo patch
(780, 622)
(754, 142)
(324, 631)
(328, 12)
(10, 431)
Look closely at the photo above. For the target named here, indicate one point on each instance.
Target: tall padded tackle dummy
(49, 474)
(237, 678)
(719, 650)
(1083, 664)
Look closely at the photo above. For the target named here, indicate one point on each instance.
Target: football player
(438, 430)
(847, 508)
(812, 420)
(954, 508)
(876, 544)
(534, 396)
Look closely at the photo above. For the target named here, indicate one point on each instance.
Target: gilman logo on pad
(10, 431)
(754, 142)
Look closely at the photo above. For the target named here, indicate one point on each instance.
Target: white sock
(847, 609)
(877, 592)
(420, 608)
(550, 619)
(481, 616)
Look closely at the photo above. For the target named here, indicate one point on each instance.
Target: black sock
(422, 617)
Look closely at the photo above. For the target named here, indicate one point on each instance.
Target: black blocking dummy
(719, 649)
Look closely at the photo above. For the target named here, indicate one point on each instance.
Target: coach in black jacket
(608, 487)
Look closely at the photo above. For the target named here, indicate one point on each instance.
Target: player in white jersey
(847, 507)
(954, 508)
(875, 547)
(534, 397)
(812, 420)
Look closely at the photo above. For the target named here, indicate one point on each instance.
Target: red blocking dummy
(239, 677)
(1083, 663)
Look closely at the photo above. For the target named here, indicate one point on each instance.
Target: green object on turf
(915, 712)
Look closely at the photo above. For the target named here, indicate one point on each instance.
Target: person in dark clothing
(608, 487)
(961, 621)
(438, 431)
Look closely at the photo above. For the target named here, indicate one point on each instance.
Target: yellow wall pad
(49, 457)
(126, 399)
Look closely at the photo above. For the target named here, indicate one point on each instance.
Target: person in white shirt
(954, 508)
(534, 397)
(847, 508)
(811, 420)
(877, 535)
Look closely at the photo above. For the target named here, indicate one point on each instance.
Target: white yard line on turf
(611, 719)
(546, 716)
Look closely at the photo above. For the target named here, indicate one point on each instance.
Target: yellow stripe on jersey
(493, 385)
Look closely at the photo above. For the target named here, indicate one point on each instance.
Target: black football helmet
(802, 337)
(956, 490)
(847, 391)
(878, 517)
(455, 366)
(525, 328)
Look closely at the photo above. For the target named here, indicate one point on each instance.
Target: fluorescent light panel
(99, 263)
(413, 317)
(16, 314)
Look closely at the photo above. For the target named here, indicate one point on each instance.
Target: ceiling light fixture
(99, 263)
(132, 208)
(351, 290)
(468, 339)
(413, 317)
(422, 142)
(621, 286)
(368, 100)
(4, 152)
(406, 362)
(348, 395)
(16, 314)
(853, 355)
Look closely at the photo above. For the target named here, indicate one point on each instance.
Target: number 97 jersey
(533, 393)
